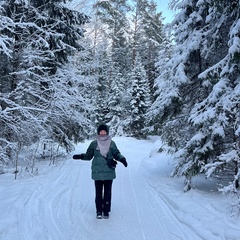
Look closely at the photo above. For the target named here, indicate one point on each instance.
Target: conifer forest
(66, 67)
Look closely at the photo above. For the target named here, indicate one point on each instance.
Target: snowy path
(59, 205)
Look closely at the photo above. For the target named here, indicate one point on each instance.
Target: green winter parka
(100, 168)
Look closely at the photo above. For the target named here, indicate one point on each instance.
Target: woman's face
(102, 132)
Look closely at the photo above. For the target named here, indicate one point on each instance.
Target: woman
(104, 152)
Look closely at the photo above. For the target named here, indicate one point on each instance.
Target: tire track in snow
(188, 220)
(173, 226)
(50, 210)
(67, 212)
(161, 224)
(61, 211)
(59, 205)
(39, 213)
(156, 219)
(138, 196)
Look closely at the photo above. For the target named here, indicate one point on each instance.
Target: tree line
(63, 71)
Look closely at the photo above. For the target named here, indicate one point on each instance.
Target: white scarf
(103, 142)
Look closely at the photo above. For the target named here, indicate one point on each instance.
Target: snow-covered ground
(58, 203)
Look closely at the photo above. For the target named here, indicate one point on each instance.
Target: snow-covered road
(146, 204)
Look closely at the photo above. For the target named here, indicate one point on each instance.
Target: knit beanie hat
(103, 127)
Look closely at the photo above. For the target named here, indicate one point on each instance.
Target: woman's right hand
(78, 156)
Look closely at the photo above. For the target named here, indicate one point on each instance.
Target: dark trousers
(103, 189)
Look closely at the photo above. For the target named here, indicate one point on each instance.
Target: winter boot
(105, 215)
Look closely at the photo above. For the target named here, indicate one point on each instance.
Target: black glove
(123, 161)
(78, 156)
(111, 163)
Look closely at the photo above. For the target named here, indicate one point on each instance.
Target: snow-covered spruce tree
(118, 104)
(113, 16)
(102, 73)
(197, 109)
(154, 118)
(140, 100)
(147, 36)
(102, 95)
(43, 34)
